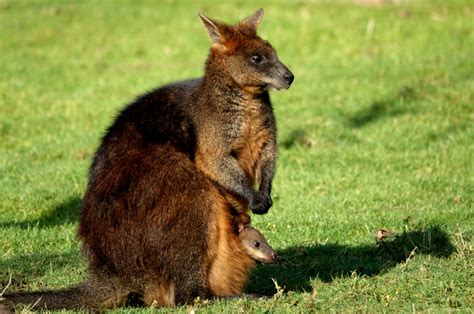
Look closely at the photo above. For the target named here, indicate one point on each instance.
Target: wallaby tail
(70, 298)
(88, 296)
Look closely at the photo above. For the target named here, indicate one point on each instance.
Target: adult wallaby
(173, 175)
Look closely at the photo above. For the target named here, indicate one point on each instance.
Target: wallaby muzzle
(283, 78)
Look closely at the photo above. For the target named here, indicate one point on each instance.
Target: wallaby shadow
(21, 267)
(66, 212)
(295, 137)
(389, 107)
(298, 266)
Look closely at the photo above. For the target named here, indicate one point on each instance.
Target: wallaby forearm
(266, 170)
(228, 174)
(265, 173)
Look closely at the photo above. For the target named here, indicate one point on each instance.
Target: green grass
(376, 132)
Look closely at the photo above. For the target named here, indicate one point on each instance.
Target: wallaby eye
(256, 59)
(255, 244)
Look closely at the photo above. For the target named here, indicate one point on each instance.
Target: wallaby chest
(256, 130)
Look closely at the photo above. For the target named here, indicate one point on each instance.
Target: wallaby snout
(284, 77)
(288, 77)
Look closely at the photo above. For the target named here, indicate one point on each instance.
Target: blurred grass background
(376, 132)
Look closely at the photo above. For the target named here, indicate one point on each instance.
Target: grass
(376, 133)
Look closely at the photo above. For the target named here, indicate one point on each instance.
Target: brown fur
(238, 145)
(172, 177)
(230, 264)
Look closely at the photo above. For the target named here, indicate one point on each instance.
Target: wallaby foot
(159, 295)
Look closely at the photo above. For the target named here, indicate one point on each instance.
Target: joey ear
(254, 19)
(212, 28)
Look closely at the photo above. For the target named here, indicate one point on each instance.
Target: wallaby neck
(219, 86)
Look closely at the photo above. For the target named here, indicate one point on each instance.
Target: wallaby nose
(288, 77)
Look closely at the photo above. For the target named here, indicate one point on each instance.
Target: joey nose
(288, 77)
(274, 256)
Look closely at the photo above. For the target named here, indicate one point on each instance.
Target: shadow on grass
(389, 107)
(66, 212)
(23, 268)
(296, 136)
(297, 266)
(295, 269)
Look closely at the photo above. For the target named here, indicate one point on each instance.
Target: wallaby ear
(212, 28)
(254, 19)
(242, 226)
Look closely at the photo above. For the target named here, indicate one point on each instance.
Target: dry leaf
(383, 234)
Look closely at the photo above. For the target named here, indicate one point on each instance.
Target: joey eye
(256, 59)
(256, 244)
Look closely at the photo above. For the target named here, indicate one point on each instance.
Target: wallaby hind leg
(183, 291)
(104, 291)
(159, 295)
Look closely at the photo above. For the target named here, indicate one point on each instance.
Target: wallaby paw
(262, 205)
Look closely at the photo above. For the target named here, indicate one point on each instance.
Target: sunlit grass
(376, 132)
